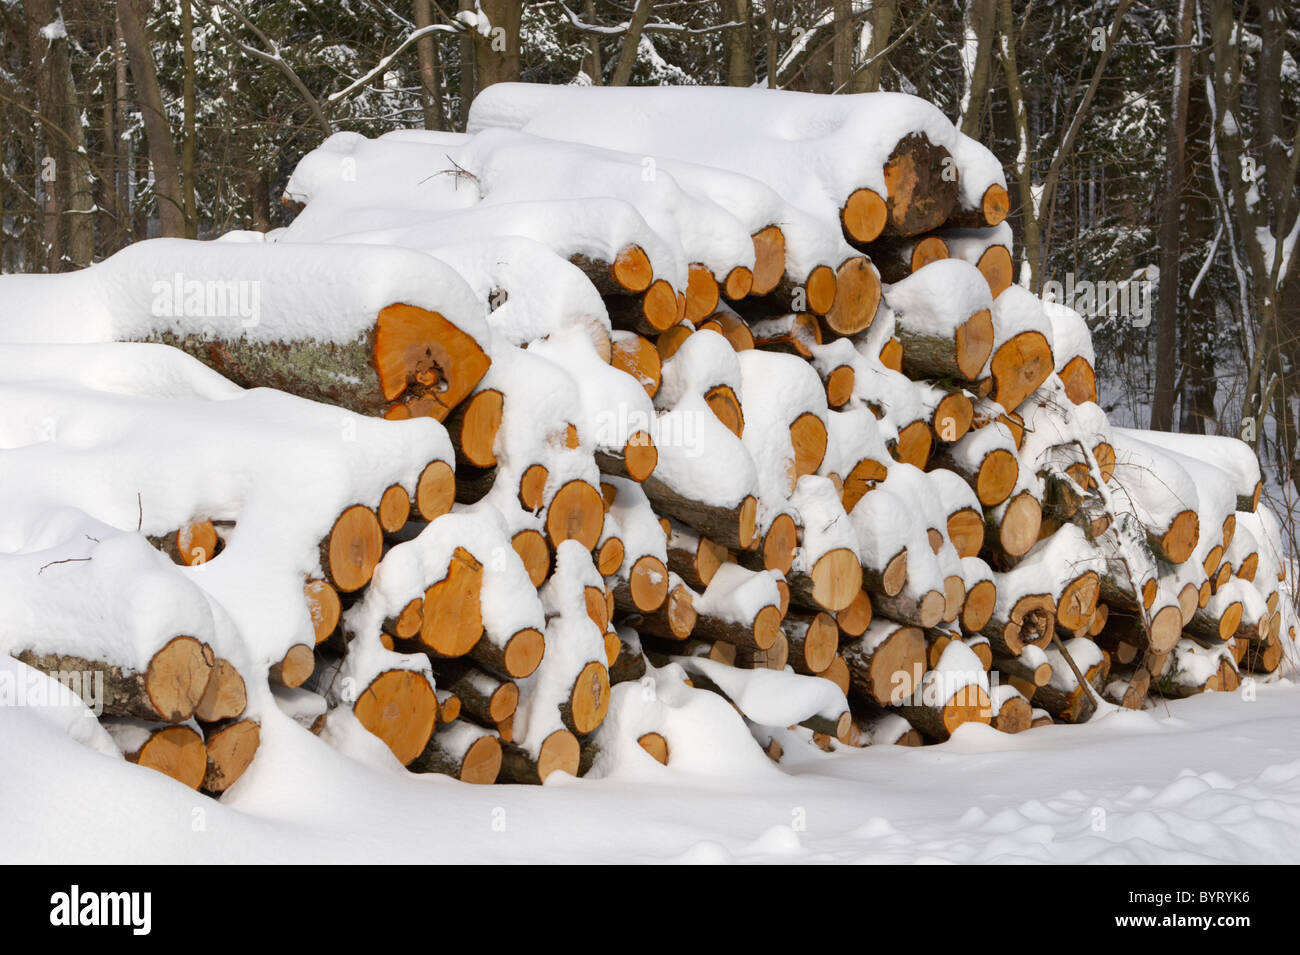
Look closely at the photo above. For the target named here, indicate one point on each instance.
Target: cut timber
(992, 210)
(993, 477)
(731, 327)
(652, 312)
(324, 608)
(532, 487)
(694, 557)
(854, 619)
(1210, 628)
(913, 444)
(898, 258)
(1018, 367)
(646, 588)
(638, 357)
(815, 293)
(170, 687)
(813, 641)
(636, 460)
(559, 752)
(577, 512)
(410, 354)
(794, 334)
(1178, 541)
(1015, 715)
(532, 549)
(422, 356)
(952, 417)
(924, 610)
(229, 750)
(193, 544)
(808, 437)
(738, 283)
(891, 355)
(888, 580)
(864, 215)
(674, 619)
(769, 260)
(226, 696)
(981, 598)
(969, 704)
(864, 476)
(399, 707)
(966, 531)
(394, 509)
(293, 670)
(453, 620)
(886, 662)
(996, 267)
(831, 584)
(588, 700)
(435, 491)
(610, 557)
(839, 382)
(655, 745)
(1078, 601)
(353, 548)
(701, 293)
(175, 751)
(629, 272)
(473, 428)
(463, 751)
(408, 622)
(1034, 670)
(733, 526)
(1012, 527)
(960, 355)
(921, 191)
(722, 401)
(1080, 380)
(857, 296)
(517, 659)
(1031, 620)
(780, 543)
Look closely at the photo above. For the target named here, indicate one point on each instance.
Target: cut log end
(177, 678)
(1179, 541)
(399, 707)
(229, 752)
(420, 355)
(857, 296)
(769, 259)
(324, 608)
(577, 512)
(354, 547)
(175, 751)
(864, 215)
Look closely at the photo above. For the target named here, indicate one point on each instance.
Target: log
(653, 311)
(412, 362)
(559, 752)
(399, 707)
(1018, 366)
(938, 721)
(226, 695)
(292, 670)
(167, 690)
(731, 327)
(394, 509)
(193, 544)
(854, 619)
(992, 210)
(352, 549)
(831, 584)
(921, 190)
(646, 588)
(1012, 528)
(769, 260)
(701, 293)
(813, 641)
(857, 296)
(463, 751)
(885, 664)
(1029, 619)
(733, 526)
(694, 557)
(673, 619)
(794, 334)
(576, 512)
(630, 271)
(229, 749)
(486, 698)
(897, 258)
(638, 357)
(175, 751)
(324, 608)
(863, 216)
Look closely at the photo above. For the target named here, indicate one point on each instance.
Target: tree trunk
(133, 15)
(627, 55)
(430, 82)
(496, 56)
(740, 56)
(1162, 406)
(188, 184)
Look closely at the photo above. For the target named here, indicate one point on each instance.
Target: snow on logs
(687, 436)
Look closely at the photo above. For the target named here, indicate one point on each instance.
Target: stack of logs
(931, 484)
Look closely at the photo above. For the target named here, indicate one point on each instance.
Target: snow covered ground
(1215, 778)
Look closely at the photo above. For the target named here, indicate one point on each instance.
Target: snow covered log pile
(518, 444)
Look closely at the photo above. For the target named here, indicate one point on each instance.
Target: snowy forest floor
(1214, 778)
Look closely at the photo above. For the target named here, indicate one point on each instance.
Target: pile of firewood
(886, 471)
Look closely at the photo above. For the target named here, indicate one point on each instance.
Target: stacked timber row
(817, 431)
